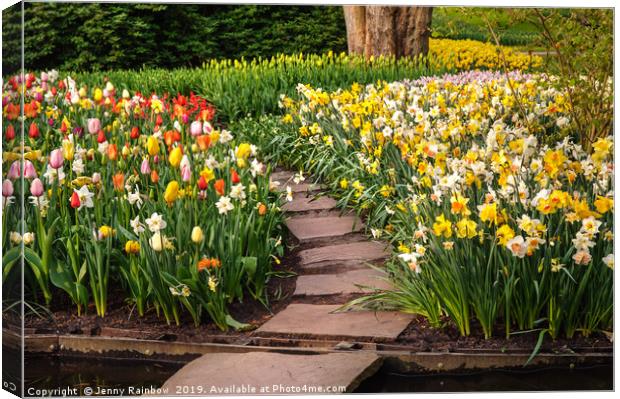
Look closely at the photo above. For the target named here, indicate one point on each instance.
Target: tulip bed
(135, 191)
(491, 218)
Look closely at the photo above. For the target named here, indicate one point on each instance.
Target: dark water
(74, 376)
(592, 378)
(117, 377)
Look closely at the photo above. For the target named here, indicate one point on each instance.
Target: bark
(383, 30)
(355, 21)
(418, 40)
(380, 31)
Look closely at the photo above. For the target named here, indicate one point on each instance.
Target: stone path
(270, 373)
(334, 266)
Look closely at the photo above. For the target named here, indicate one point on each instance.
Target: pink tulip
(196, 128)
(56, 158)
(44, 76)
(156, 159)
(7, 188)
(186, 174)
(145, 168)
(96, 177)
(29, 171)
(185, 118)
(14, 171)
(94, 125)
(36, 188)
(207, 128)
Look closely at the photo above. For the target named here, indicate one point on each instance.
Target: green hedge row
(93, 36)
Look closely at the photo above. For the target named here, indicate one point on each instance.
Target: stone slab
(260, 372)
(282, 176)
(319, 321)
(303, 203)
(307, 229)
(341, 284)
(356, 251)
(301, 187)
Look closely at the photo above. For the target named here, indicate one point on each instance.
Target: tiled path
(333, 263)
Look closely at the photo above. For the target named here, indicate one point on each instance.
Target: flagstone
(356, 251)
(320, 321)
(350, 282)
(307, 228)
(271, 373)
(303, 203)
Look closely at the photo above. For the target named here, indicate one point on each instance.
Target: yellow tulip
(243, 151)
(68, 150)
(197, 235)
(175, 157)
(172, 192)
(152, 146)
(132, 247)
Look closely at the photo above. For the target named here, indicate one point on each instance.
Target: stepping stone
(303, 203)
(301, 187)
(307, 229)
(357, 251)
(282, 176)
(271, 373)
(318, 321)
(340, 284)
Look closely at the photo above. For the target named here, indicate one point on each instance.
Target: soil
(122, 320)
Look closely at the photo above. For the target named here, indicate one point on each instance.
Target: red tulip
(10, 133)
(234, 176)
(202, 183)
(135, 133)
(158, 120)
(101, 137)
(75, 200)
(33, 132)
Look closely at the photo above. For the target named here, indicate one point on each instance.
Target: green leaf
(249, 264)
(239, 326)
(541, 337)
(9, 259)
(34, 261)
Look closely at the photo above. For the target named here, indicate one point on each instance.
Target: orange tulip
(220, 186)
(112, 152)
(154, 176)
(119, 181)
(203, 141)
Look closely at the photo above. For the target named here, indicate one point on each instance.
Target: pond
(112, 377)
(593, 378)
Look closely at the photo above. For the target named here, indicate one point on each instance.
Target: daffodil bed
(489, 220)
(132, 193)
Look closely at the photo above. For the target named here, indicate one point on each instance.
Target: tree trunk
(355, 21)
(381, 30)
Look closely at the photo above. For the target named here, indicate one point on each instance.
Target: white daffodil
(85, 196)
(78, 166)
(238, 192)
(136, 225)
(224, 205)
(135, 198)
(156, 222)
